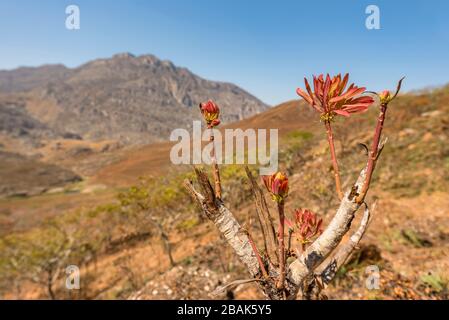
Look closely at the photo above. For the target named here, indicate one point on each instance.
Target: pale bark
(229, 227)
(330, 238)
(328, 270)
(237, 237)
(302, 274)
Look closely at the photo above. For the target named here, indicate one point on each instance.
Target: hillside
(154, 158)
(22, 176)
(407, 238)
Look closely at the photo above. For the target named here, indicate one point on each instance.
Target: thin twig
(289, 243)
(256, 252)
(221, 289)
(280, 284)
(264, 218)
(330, 139)
(216, 171)
(374, 154)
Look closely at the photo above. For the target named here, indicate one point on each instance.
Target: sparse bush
(281, 271)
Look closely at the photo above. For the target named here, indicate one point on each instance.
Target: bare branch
(265, 220)
(328, 271)
(330, 139)
(215, 170)
(376, 144)
(319, 250)
(398, 88)
(280, 284)
(381, 147)
(258, 257)
(222, 289)
(164, 237)
(224, 220)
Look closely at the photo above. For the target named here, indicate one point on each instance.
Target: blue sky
(266, 47)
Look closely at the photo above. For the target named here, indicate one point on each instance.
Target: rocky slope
(131, 99)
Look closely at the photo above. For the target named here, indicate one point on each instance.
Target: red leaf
(342, 113)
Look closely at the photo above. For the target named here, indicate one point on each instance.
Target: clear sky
(266, 47)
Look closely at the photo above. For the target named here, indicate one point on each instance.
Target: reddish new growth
(277, 186)
(210, 112)
(307, 226)
(330, 98)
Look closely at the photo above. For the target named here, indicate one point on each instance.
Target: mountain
(127, 98)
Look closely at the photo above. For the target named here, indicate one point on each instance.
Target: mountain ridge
(128, 98)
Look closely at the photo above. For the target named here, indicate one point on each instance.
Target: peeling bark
(328, 271)
(225, 222)
(330, 238)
